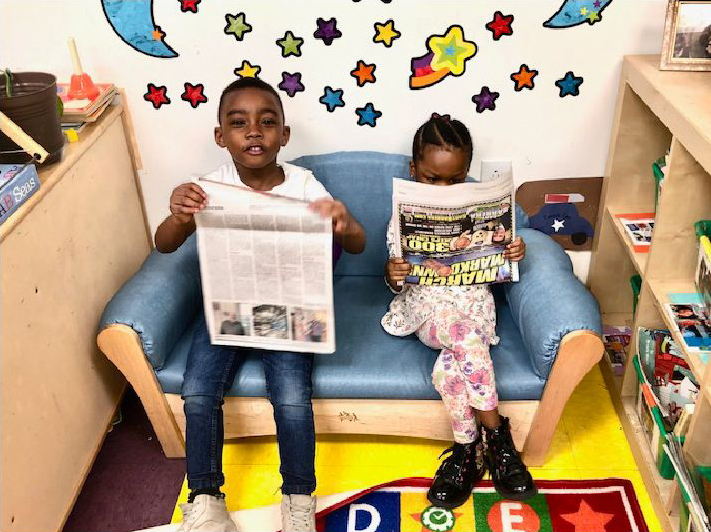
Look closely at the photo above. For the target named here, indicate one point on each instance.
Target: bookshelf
(655, 111)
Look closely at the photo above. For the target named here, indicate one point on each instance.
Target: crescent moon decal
(575, 12)
(133, 22)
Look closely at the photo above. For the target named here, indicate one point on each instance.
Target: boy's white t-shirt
(299, 183)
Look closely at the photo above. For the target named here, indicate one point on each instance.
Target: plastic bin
(658, 168)
(636, 282)
(653, 425)
(703, 228)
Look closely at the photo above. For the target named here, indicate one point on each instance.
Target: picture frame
(687, 36)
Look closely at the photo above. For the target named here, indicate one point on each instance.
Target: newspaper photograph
(265, 265)
(456, 235)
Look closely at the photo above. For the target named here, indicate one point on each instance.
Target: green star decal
(237, 26)
(290, 45)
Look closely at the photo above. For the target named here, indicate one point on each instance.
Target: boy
(251, 127)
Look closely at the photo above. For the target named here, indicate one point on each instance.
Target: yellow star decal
(385, 33)
(247, 70)
(593, 16)
(451, 50)
(584, 11)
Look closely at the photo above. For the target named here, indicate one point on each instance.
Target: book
(638, 228)
(692, 322)
(616, 341)
(85, 110)
(17, 184)
(703, 272)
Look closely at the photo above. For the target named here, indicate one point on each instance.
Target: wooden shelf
(617, 319)
(675, 98)
(638, 259)
(656, 111)
(646, 464)
(660, 290)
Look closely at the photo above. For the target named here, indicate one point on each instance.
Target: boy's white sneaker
(298, 513)
(206, 514)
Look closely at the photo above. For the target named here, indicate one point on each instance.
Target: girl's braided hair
(441, 130)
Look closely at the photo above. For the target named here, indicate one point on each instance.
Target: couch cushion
(363, 181)
(369, 363)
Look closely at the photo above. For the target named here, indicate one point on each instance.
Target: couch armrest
(548, 302)
(160, 301)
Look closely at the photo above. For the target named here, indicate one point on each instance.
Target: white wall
(544, 135)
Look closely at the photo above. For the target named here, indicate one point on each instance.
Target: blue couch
(549, 325)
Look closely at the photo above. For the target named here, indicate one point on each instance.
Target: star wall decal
(332, 98)
(157, 95)
(485, 100)
(291, 83)
(194, 94)
(569, 84)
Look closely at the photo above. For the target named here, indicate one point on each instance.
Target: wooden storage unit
(65, 252)
(655, 111)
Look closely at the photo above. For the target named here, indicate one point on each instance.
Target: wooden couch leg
(122, 346)
(579, 351)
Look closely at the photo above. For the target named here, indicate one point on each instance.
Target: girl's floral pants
(463, 373)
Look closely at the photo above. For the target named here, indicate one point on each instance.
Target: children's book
(85, 110)
(693, 324)
(17, 183)
(616, 341)
(638, 228)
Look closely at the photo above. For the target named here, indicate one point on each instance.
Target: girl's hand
(335, 209)
(516, 250)
(396, 270)
(186, 200)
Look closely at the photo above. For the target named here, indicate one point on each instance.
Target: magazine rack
(655, 110)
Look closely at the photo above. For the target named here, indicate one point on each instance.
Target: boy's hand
(396, 270)
(186, 200)
(342, 219)
(516, 250)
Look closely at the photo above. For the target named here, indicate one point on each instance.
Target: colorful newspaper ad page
(455, 235)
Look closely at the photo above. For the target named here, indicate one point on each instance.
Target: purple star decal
(291, 83)
(327, 31)
(597, 3)
(485, 100)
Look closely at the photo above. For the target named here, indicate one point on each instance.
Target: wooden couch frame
(533, 422)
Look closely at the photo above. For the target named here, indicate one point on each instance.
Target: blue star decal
(332, 99)
(569, 84)
(367, 115)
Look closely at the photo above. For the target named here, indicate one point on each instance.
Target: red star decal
(501, 25)
(156, 95)
(189, 5)
(586, 519)
(193, 94)
(363, 73)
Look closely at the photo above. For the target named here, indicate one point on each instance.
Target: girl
(459, 320)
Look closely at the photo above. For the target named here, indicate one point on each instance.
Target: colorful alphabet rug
(560, 506)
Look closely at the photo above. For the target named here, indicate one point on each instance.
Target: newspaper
(455, 235)
(265, 264)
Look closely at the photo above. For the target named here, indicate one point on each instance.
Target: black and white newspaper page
(265, 264)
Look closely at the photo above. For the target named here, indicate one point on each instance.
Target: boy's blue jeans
(209, 374)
